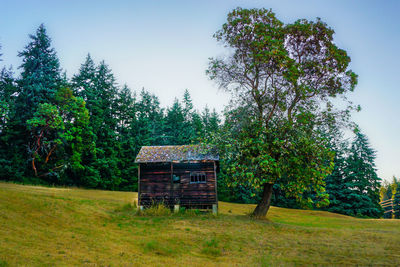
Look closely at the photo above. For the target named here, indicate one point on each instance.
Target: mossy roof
(149, 154)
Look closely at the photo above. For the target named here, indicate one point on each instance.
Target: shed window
(197, 177)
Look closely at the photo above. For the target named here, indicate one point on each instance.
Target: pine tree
(189, 130)
(98, 88)
(8, 89)
(176, 127)
(150, 120)
(362, 179)
(41, 73)
(210, 120)
(10, 160)
(126, 131)
(40, 79)
(83, 83)
(353, 186)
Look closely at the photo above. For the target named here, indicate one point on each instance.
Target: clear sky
(164, 46)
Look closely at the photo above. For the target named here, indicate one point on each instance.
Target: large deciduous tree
(283, 76)
(60, 135)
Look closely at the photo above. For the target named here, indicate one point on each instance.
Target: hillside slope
(63, 226)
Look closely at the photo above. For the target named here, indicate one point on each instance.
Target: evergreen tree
(41, 73)
(210, 121)
(150, 120)
(98, 88)
(9, 160)
(363, 182)
(126, 130)
(176, 127)
(40, 79)
(189, 130)
(8, 89)
(83, 85)
(83, 82)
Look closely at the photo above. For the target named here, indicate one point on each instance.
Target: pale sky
(164, 46)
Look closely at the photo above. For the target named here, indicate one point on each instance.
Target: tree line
(277, 143)
(84, 131)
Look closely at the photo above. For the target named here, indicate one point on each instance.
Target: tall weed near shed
(156, 209)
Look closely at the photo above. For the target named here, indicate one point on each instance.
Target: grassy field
(42, 226)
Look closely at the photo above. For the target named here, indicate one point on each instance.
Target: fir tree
(150, 120)
(98, 88)
(41, 73)
(40, 79)
(126, 133)
(176, 126)
(363, 182)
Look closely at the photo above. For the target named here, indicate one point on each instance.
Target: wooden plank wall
(156, 184)
(194, 194)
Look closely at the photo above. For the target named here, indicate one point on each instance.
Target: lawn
(69, 226)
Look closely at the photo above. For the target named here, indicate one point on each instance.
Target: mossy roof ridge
(148, 154)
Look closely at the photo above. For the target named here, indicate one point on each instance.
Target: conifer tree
(126, 133)
(176, 126)
(40, 79)
(363, 182)
(98, 88)
(9, 160)
(189, 130)
(41, 73)
(210, 120)
(150, 120)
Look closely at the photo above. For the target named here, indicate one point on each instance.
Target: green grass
(72, 227)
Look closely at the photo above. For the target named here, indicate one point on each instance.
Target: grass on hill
(67, 226)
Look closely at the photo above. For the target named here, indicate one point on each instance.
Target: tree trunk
(263, 207)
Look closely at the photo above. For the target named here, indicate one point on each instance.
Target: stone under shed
(178, 176)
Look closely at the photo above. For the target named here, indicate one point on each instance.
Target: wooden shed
(178, 176)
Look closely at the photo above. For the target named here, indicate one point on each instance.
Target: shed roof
(148, 154)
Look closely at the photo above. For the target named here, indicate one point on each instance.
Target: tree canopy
(284, 76)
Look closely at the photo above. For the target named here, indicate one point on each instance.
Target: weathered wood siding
(156, 184)
(197, 193)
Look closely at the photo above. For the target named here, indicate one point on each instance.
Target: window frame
(198, 177)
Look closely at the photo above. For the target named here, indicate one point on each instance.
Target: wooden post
(176, 208)
(216, 190)
(215, 209)
(171, 190)
(139, 185)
